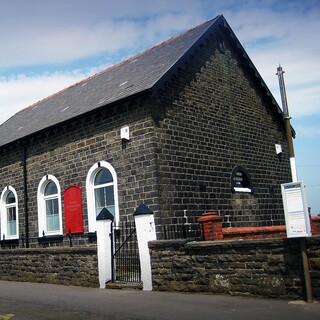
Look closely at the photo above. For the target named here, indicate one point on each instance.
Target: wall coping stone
(248, 230)
(167, 243)
(233, 244)
(51, 250)
(226, 243)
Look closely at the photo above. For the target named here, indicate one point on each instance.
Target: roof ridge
(118, 64)
(145, 51)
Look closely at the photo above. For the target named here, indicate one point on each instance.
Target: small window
(240, 180)
(9, 214)
(49, 207)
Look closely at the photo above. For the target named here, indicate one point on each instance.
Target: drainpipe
(25, 190)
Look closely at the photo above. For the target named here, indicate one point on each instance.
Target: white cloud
(307, 131)
(21, 91)
(271, 37)
(52, 33)
(63, 44)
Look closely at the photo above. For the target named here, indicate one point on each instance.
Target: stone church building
(185, 127)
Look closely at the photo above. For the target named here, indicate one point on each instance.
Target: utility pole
(303, 241)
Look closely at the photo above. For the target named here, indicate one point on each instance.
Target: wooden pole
(303, 241)
(306, 272)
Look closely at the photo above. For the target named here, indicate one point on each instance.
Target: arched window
(49, 207)
(9, 214)
(102, 192)
(240, 180)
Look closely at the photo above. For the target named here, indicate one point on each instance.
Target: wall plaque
(240, 180)
(73, 210)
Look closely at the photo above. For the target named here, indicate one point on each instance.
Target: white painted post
(104, 222)
(146, 232)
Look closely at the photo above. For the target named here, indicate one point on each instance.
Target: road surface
(31, 301)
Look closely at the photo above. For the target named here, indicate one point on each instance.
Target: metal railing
(187, 231)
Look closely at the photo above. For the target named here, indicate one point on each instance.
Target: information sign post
(298, 223)
(296, 214)
(296, 210)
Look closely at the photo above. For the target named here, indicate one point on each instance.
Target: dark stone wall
(68, 152)
(215, 116)
(67, 266)
(267, 268)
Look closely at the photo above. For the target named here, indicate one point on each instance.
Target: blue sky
(49, 45)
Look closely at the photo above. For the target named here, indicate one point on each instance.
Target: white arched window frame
(47, 201)
(90, 190)
(9, 214)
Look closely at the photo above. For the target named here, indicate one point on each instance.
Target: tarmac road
(31, 301)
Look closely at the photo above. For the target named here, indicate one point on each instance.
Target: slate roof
(143, 72)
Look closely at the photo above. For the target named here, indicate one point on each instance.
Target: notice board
(73, 210)
(296, 210)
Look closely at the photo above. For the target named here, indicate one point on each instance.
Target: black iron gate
(125, 254)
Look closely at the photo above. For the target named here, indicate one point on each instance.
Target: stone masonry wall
(68, 152)
(67, 266)
(216, 116)
(267, 268)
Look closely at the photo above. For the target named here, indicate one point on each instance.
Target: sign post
(297, 219)
(298, 224)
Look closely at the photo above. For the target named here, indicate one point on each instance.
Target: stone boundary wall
(59, 265)
(267, 268)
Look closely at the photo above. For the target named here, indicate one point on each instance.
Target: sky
(46, 46)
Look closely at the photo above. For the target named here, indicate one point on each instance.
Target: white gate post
(104, 223)
(146, 232)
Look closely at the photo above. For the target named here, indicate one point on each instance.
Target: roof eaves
(75, 118)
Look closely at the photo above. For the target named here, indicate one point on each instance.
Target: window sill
(10, 241)
(56, 237)
(246, 190)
